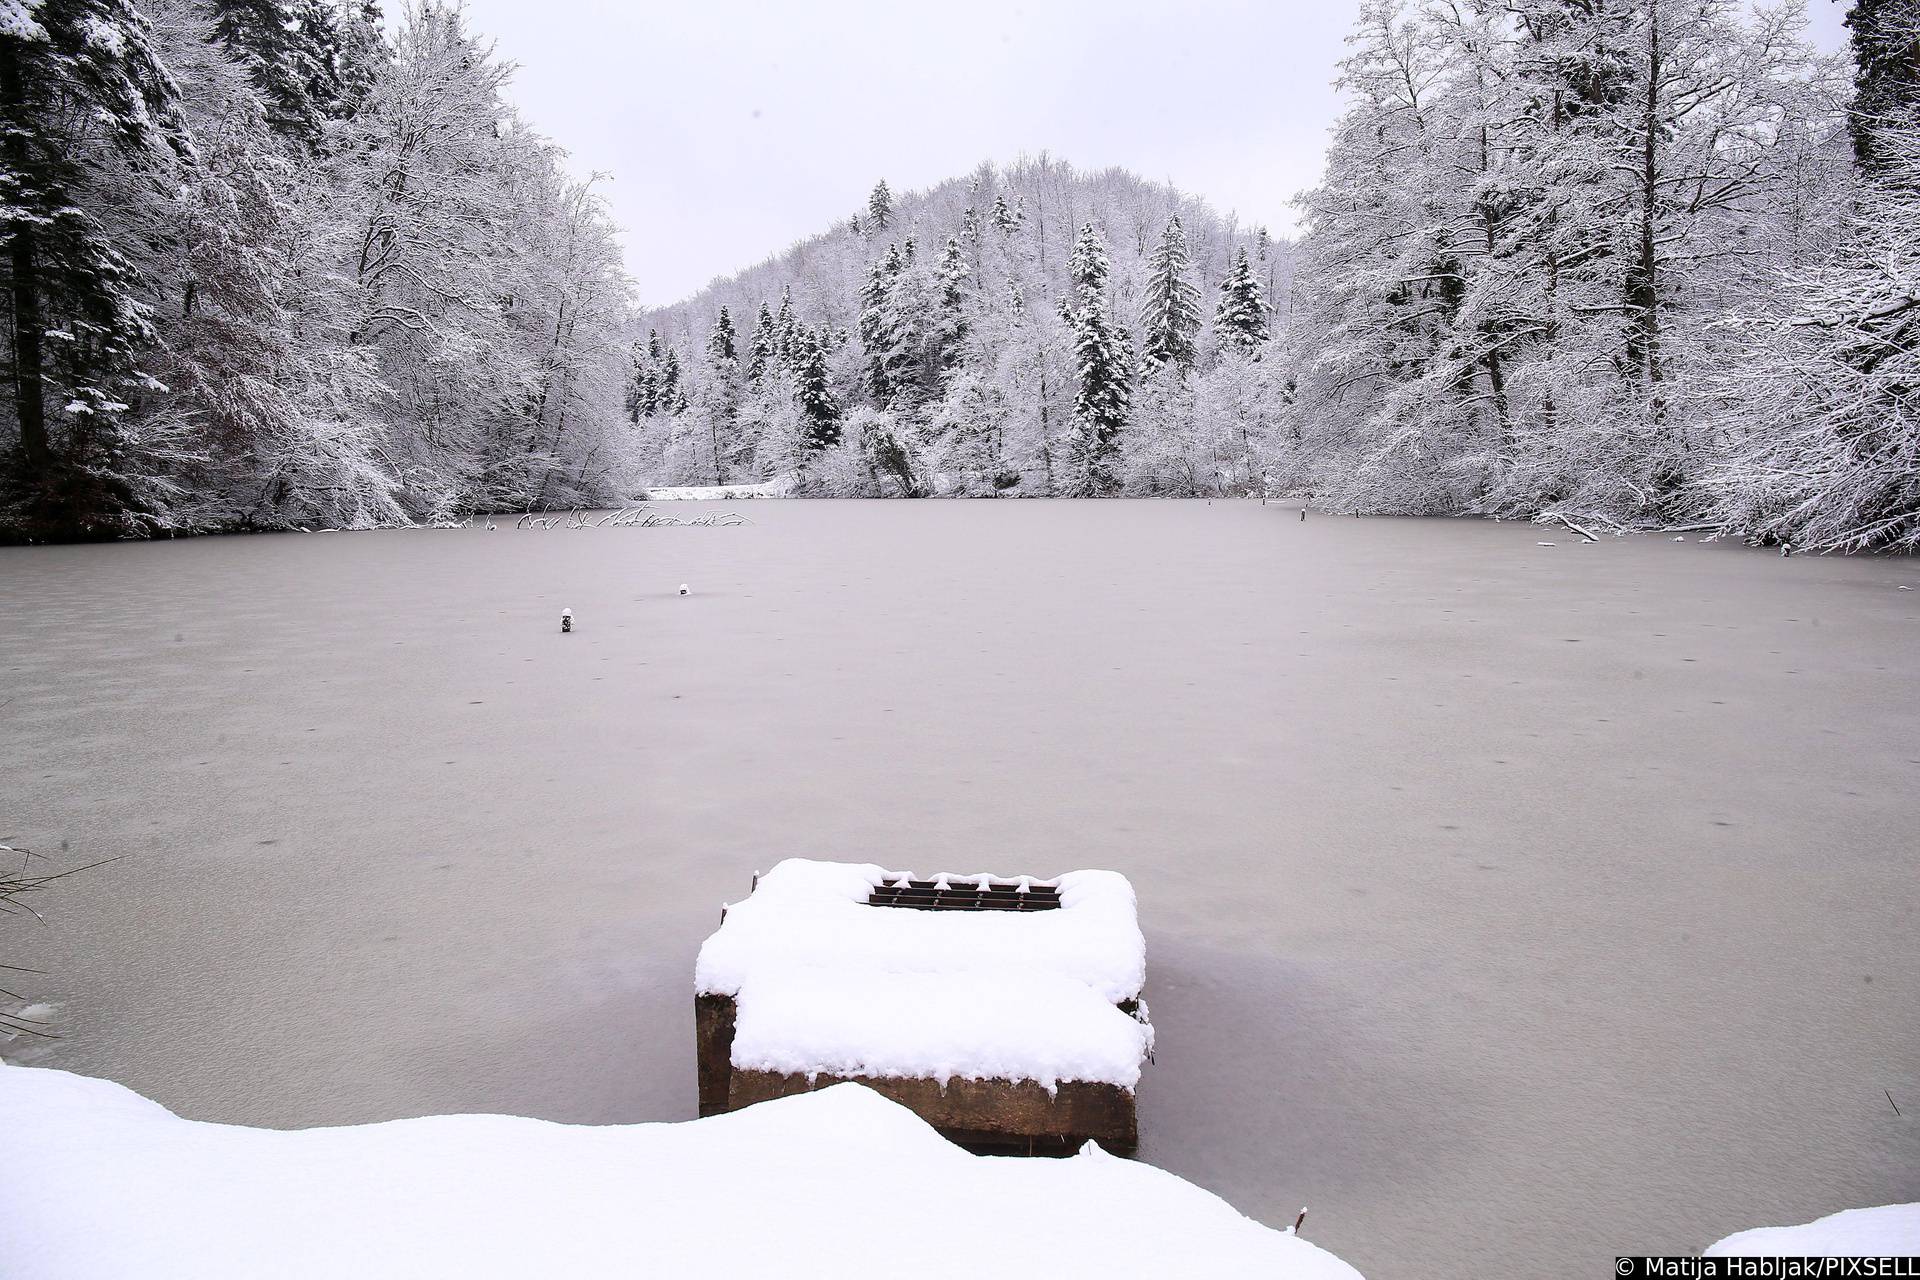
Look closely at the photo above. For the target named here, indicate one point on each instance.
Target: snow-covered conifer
(1240, 321)
(1103, 391)
(79, 83)
(1171, 317)
(760, 347)
(818, 407)
(720, 339)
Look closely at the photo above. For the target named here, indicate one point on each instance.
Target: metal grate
(965, 893)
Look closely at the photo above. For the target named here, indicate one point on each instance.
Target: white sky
(735, 127)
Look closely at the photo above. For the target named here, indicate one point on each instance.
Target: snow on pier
(828, 971)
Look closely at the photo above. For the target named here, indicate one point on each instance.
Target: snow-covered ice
(1439, 904)
(1888, 1230)
(825, 983)
(101, 1184)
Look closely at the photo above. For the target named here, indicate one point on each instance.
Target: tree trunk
(29, 320)
(1643, 293)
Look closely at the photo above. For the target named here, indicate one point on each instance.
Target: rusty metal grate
(970, 893)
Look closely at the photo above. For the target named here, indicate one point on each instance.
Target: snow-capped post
(566, 621)
(1300, 1218)
(1004, 1011)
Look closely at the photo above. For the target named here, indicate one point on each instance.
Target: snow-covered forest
(1030, 330)
(1640, 263)
(282, 263)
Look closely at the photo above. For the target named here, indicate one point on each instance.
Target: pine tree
(720, 340)
(760, 348)
(818, 408)
(1103, 394)
(1006, 219)
(72, 71)
(880, 206)
(1171, 318)
(1240, 322)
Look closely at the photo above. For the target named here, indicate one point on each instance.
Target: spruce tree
(361, 55)
(880, 206)
(646, 393)
(73, 73)
(760, 348)
(951, 328)
(1004, 217)
(1172, 315)
(720, 340)
(669, 393)
(885, 333)
(817, 406)
(1103, 394)
(282, 48)
(785, 329)
(1886, 55)
(874, 329)
(1241, 320)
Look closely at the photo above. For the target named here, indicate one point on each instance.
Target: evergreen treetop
(720, 342)
(1241, 319)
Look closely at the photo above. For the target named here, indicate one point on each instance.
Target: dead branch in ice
(1546, 516)
(631, 518)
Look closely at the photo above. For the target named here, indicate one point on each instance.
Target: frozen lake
(1511, 906)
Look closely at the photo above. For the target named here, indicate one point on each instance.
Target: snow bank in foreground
(824, 983)
(98, 1182)
(1892, 1229)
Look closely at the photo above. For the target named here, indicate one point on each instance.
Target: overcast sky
(733, 128)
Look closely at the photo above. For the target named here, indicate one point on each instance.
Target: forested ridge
(1635, 263)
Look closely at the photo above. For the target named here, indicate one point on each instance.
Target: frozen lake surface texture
(1511, 906)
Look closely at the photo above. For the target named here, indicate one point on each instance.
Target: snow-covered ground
(1555, 899)
(98, 1183)
(1889, 1230)
(826, 984)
